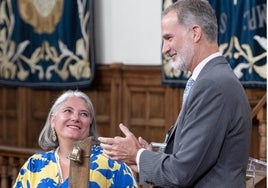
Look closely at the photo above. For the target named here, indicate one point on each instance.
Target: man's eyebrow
(165, 36)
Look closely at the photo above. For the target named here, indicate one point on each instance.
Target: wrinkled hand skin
(145, 144)
(124, 148)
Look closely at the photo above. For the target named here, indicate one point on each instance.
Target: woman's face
(72, 120)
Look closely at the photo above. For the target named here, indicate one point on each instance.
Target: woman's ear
(51, 119)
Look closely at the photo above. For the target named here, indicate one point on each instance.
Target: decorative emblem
(43, 15)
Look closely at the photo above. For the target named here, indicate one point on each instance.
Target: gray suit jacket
(210, 145)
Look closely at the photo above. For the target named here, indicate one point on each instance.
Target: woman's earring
(54, 136)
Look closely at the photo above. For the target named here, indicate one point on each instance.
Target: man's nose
(165, 48)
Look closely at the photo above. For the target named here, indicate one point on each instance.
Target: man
(208, 146)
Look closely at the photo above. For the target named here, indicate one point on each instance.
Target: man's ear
(196, 33)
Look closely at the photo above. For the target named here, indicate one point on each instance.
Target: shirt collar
(201, 65)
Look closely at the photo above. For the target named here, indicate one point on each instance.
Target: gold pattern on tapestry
(65, 63)
(43, 15)
(245, 51)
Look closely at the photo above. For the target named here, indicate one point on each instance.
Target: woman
(71, 119)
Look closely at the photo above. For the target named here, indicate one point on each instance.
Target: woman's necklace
(58, 164)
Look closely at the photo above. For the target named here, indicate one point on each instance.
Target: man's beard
(183, 58)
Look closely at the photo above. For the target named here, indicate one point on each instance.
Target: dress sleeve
(23, 177)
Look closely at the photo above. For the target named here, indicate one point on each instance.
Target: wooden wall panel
(101, 100)
(9, 115)
(144, 103)
(38, 105)
(145, 110)
(105, 94)
(132, 95)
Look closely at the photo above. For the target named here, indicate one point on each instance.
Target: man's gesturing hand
(121, 148)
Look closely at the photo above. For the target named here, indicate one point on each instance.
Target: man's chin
(178, 66)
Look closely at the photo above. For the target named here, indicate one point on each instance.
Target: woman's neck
(65, 148)
(63, 161)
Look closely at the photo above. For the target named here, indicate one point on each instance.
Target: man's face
(177, 43)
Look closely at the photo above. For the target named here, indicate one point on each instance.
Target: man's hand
(145, 144)
(122, 148)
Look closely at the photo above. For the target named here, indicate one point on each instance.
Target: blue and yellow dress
(41, 171)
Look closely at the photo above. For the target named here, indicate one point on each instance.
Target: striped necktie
(188, 86)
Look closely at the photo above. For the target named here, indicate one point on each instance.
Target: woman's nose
(75, 116)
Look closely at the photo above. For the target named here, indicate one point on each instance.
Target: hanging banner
(242, 40)
(46, 43)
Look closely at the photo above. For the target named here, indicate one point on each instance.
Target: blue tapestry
(46, 43)
(242, 40)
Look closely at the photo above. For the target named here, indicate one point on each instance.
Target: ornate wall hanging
(46, 43)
